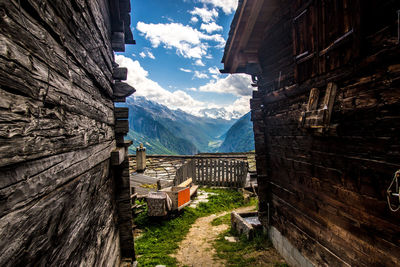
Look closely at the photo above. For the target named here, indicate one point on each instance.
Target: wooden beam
(118, 41)
(329, 100)
(122, 89)
(122, 126)
(119, 99)
(121, 113)
(124, 6)
(118, 156)
(228, 53)
(120, 74)
(313, 99)
(119, 138)
(246, 33)
(186, 183)
(127, 143)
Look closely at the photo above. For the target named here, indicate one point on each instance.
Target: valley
(175, 132)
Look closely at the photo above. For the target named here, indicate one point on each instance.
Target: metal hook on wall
(390, 193)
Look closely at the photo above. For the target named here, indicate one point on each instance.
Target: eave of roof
(245, 35)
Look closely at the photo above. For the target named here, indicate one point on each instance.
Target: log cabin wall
(57, 199)
(325, 180)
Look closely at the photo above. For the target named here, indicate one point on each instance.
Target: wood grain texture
(40, 231)
(58, 197)
(31, 129)
(327, 190)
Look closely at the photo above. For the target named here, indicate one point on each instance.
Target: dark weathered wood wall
(57, 205)
(327, 191)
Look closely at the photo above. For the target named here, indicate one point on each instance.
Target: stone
(232, 239)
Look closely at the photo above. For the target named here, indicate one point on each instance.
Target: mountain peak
(210, 113)
(219, 113)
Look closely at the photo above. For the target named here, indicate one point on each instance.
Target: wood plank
(121, 113)
(122, 89)
(338, 238)
(248, 30)
(121, 126)
(88, 26)
(118, 156)
(120, 73)
(186, 183)
(238, 174)
(119, 99)
(193, 190)
(222, 172)
(235, 31)
(193, 169)
(229, 173)
(237, 167)
(202, 172)
(59, 26)
(42, 176)
(228, 179)
(207, 177)
(33, 218)
(26, 72)
(313, 99)
(226, 173)
(196, 170)
(233, 169)
(213, 173)
(118, 41)
(232, 173)
(22, 132)
(329, 100)
(219, 172)
(216, 172)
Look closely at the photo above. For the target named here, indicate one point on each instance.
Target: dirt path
(196, 249)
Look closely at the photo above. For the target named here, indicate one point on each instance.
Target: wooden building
(64, 181)
(326, 118)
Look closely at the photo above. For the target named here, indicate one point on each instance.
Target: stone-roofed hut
(63, 202)
(326, 125)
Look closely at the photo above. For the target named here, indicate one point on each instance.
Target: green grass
(162, 237)
(236, 254)
(226, 219)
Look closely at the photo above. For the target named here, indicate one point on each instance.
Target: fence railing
(214, 172)
(187, 170)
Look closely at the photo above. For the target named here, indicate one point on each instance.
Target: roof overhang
(246, 35)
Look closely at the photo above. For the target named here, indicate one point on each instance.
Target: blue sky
(178, 51)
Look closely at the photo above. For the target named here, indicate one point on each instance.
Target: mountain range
(166, 131)
(240, 137)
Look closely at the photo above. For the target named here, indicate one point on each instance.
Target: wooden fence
(214, 172)
(187, 170)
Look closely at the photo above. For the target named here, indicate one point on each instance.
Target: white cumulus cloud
(138, 78)
(228, 6)
(199, 63)
(179, 99)
(187, 41)
(150, 55)
(241, 105)
(237, 84)
(147, 53)
(211, 27)
(213, 70)
(200, 75)
(207, 15)
(185, 70)
(194, 20)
